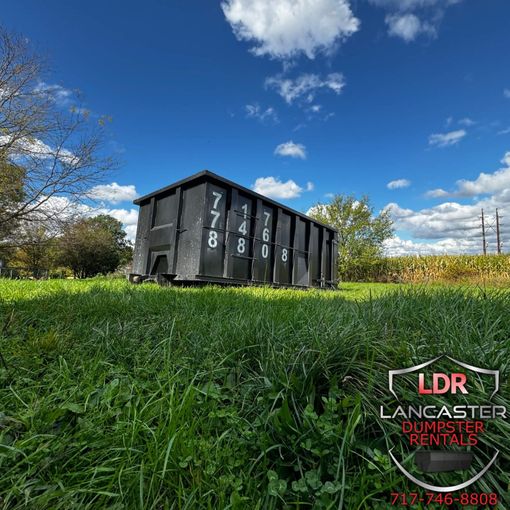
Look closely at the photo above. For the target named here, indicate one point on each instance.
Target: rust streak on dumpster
(206, 228)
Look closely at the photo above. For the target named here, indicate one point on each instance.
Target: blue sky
(298, 102)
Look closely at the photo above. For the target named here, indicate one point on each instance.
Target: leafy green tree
(118, 234)
(38, 250)
(93, 246)
(11, 191)
(361, 233)
(11, 195)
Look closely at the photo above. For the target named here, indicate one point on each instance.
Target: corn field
(416, 269)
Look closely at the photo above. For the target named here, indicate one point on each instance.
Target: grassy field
(123, 397)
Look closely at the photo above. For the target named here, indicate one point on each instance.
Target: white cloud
(316, 108)
(254, 111)
(126, 217)
(60, 209)
(305, 87)
(484, 184)
(437, 193)
(466, 121)
(506, 93)
(397, 247)
(54, 92)
(453, 227)
(291, 149)
(35, 148)
(26, 147)
(411, 5)
(131, 232)
(504, 131)
(284, 29)
(273, 187)
(408, 26)
(449, 219)
(409, 18)
(113, 193)
(447, 139)
(398, 183)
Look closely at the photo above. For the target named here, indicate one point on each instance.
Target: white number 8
(284, 255)
(241, 245)
(213, 239)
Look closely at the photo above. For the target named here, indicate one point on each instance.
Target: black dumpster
(208, 229)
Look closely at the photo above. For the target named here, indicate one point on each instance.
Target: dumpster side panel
(329, 249)
(190, 232)
(213, 232)
(323, 236)
(332, 250)
(335, 258)
(141, 250)
(283, 249)
(162, 235)
(301, 241)
(315, 255)
(239, 256)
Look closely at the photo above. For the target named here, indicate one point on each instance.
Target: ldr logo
(439, 381)
(443, 383)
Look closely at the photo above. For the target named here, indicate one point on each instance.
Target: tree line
(85, 247)
(52, 152)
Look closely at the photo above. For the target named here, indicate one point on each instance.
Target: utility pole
(483, 235)
(498, 239)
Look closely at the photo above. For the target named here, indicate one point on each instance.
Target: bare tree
(56, 150)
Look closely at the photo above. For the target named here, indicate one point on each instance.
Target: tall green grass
(123, 397)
